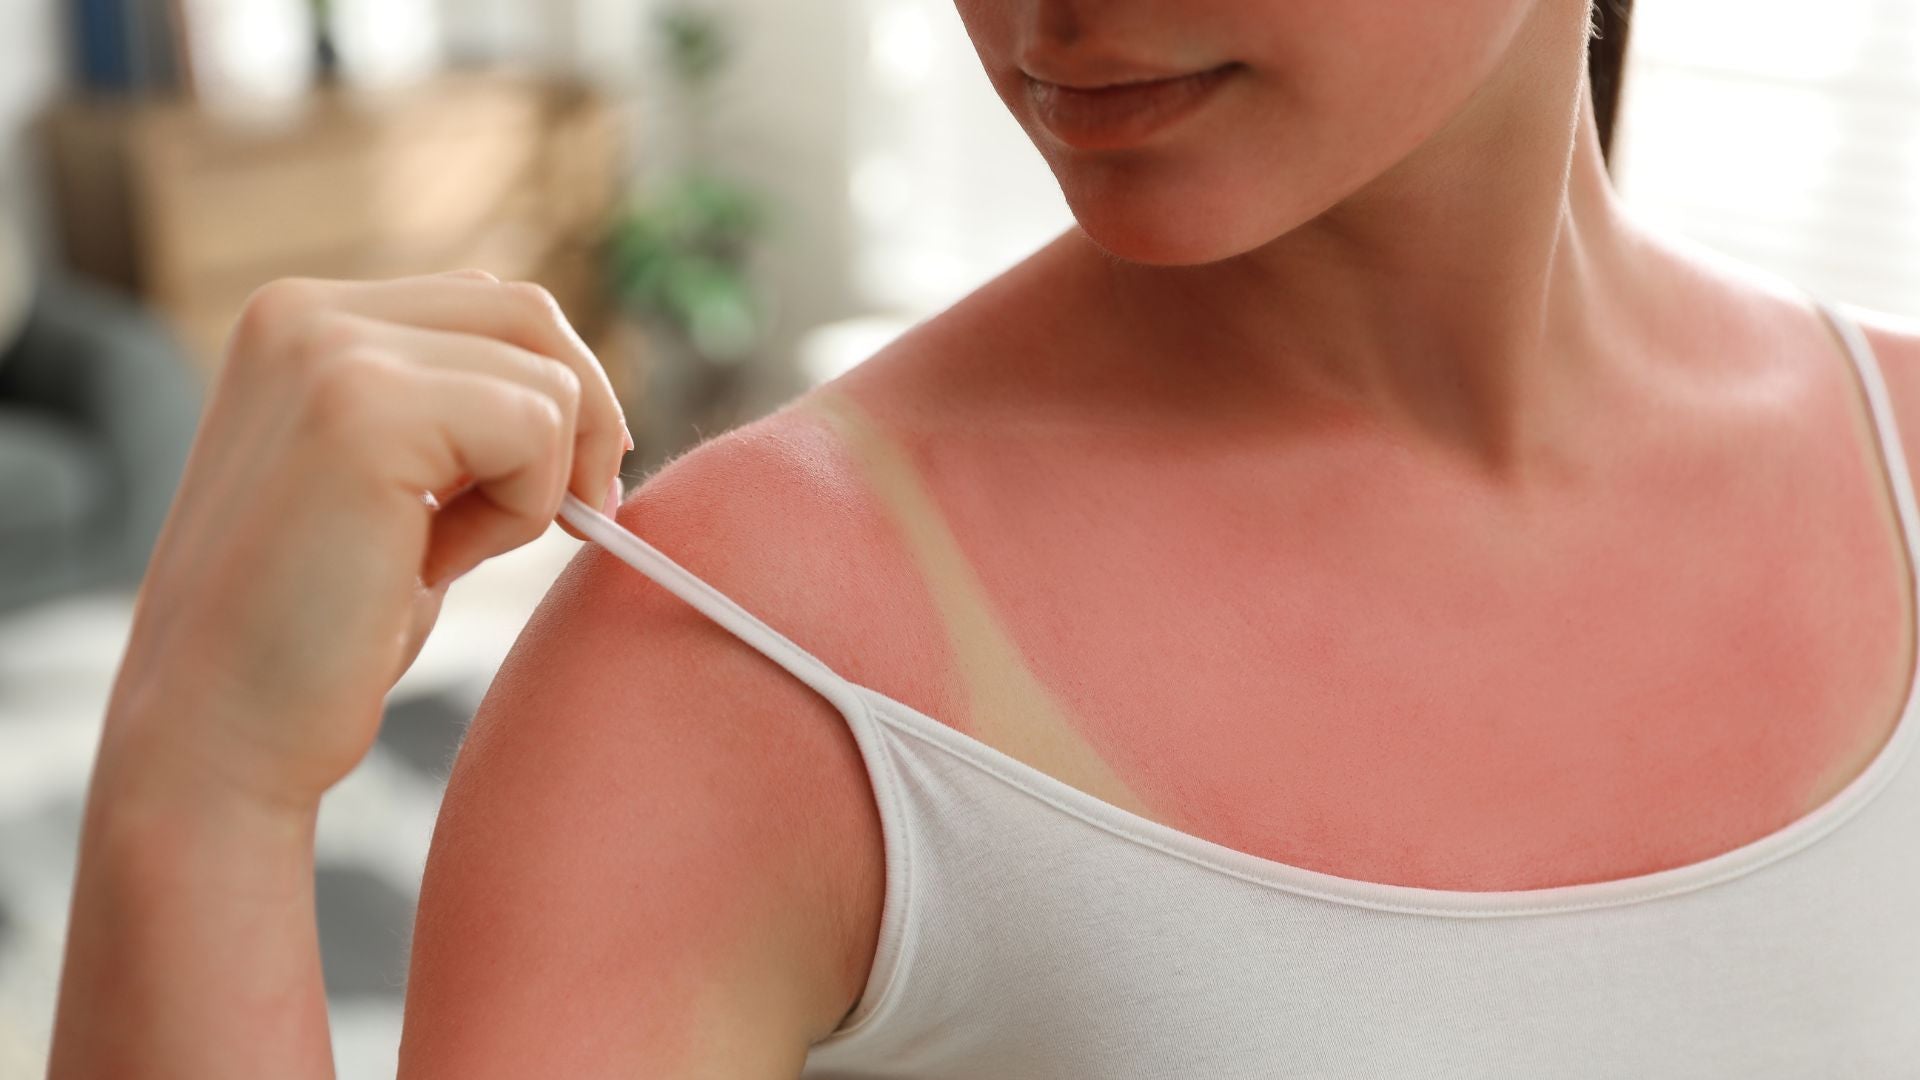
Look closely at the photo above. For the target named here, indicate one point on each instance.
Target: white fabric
(1032, 931)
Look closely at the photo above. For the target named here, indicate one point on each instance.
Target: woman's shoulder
(639, 778)
(1721, 303)
(780, 515)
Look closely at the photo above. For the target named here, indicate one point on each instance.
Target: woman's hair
(1606, 62)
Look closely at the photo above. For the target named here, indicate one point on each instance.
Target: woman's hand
(365, 444)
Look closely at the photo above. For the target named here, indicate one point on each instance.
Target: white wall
(31, 67)
(783, 123)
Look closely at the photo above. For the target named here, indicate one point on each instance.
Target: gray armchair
(97, 411)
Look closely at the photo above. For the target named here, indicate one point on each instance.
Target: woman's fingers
(469, 302)
(484, 427)
(521, 314)
(456, 351)
(473, 354)
(510, 439)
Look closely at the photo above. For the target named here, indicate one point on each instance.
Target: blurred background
(734, 200)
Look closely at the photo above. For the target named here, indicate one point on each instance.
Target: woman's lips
(1123, 115)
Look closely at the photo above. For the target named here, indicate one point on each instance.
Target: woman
(1387, 613)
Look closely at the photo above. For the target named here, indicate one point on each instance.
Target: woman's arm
(365, 444)
(192, 950)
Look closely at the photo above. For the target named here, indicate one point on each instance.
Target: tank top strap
(1885, 424)
(711, 602)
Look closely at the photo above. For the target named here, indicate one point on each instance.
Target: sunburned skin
(1337, 652)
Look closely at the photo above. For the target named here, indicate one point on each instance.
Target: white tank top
(1031, 930)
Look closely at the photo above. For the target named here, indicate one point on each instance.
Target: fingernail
(616, 494)
(629, 432)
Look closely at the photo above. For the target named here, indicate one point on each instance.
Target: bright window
(1783, 133)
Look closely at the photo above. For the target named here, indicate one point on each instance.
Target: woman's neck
(1466, 298)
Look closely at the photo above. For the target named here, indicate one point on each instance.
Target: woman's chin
(1171, 232)
(1158, 243)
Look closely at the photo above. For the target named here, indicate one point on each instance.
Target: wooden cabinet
(193, 211)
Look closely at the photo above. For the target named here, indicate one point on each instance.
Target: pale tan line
(1009, 707)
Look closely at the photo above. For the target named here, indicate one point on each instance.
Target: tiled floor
(56, 668)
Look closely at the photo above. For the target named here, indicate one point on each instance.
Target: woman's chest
(1407, 683)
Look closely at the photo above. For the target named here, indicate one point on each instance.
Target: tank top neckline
(865, 706)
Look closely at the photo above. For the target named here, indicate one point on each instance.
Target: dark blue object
(103, 45)
(124, 46)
